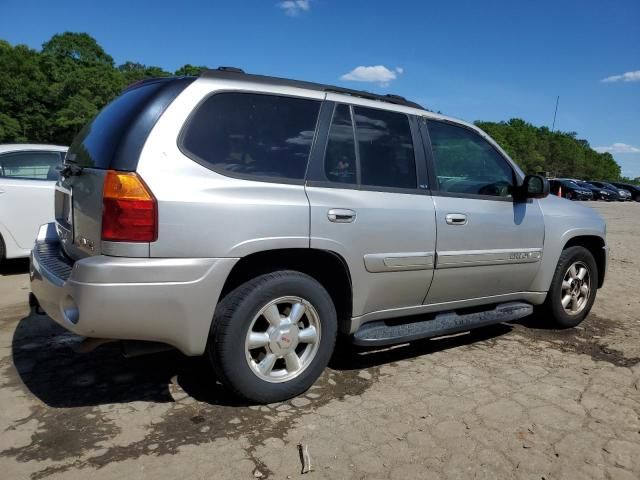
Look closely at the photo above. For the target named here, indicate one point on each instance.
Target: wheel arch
(325, 266)
(595, 245)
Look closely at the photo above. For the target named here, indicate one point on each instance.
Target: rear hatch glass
(114, 138)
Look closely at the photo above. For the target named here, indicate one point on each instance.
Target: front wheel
(573, 288)
(273, 336)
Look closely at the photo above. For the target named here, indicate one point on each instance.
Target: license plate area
(64, 213)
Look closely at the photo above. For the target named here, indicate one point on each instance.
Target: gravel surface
(510, 401)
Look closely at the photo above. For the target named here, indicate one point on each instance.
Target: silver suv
(251, 219)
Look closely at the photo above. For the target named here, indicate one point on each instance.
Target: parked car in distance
(28, 173)
(623, 195)
(251, 218)
(569, 189)
(634, 190)
(600, 193)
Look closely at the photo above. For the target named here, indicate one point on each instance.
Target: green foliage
(537, 149)
(48, 95)
(190, 70)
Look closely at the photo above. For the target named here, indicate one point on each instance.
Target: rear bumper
(168, 300)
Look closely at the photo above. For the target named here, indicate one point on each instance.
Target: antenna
(554, 114)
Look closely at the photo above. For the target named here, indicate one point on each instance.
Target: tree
(23, 95)
(77, 47)
(190, 70)
(133, 72)
(537, 149)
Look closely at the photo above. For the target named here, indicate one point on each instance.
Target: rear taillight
(129, 209)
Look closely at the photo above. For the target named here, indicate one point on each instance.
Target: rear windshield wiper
(71, 170)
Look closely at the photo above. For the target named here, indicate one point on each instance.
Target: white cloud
(625, 77)
(617, 148)
(374, 74)
(294, 7)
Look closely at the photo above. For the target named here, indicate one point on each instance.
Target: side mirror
(534, 186)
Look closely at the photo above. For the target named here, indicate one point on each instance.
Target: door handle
(456, 219)
(341, 215)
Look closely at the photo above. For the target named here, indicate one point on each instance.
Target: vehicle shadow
(14, 266)
(47, 363)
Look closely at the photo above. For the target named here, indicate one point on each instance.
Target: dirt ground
(510, 401)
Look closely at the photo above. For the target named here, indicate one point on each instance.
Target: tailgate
(78, 212)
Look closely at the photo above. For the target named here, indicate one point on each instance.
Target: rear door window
(340, 157)
(385, 148)
(253, 135)
(35, 165)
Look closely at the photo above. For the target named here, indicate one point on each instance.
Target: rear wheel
(273, 336)
(573, 288)
(2, 251)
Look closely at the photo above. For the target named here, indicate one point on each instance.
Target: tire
(2, 250)
(578, 258)
(249, 307)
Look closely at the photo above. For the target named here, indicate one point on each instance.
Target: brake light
(129, 209)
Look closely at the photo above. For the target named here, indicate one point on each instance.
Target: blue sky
(475, 60)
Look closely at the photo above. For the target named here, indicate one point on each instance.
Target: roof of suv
(232, 73)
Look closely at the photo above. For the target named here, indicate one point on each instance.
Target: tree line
(560, 154)
(47, 96)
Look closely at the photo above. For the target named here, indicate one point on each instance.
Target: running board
(380, 333)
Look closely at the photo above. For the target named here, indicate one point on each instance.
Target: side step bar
(380, 333)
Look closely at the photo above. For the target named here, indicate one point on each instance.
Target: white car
(28, 174)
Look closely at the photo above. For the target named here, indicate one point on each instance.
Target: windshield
(570, 183)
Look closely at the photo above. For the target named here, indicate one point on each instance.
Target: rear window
(385, 148)
(251, 134)
(114, 138)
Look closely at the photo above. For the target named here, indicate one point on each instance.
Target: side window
(253, 134)
(340, 156)
(385, 147)
(466, 163)
(31, 165)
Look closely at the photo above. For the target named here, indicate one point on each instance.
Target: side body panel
(205, 214)
(564, 221)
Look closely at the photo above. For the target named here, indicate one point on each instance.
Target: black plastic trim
(382, 333)
(315, 168)
(474, 196)
(420, 157)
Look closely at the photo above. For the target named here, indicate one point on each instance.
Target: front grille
(51, 257)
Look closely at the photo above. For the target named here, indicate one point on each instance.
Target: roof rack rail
(230, 69)
(239, 74)
(389, 98)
